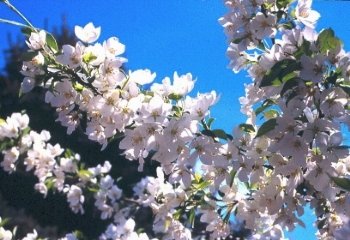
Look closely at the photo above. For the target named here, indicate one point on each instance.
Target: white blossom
(88, 34)
(305, 14)
(37, 40)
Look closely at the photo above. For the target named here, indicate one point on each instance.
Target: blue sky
(168, 36)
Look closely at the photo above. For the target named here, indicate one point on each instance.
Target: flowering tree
(289, 152)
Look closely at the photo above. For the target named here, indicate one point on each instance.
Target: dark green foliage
(281, 72)
(266, 127)
(327, 41)
(343, 183)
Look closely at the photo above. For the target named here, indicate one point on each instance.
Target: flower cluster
(299, 97)
(289, 153)
(27, 150)
(87, 83)
(8, 235)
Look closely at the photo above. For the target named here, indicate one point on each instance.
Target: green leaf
(248, 128)
(289, 85)
(79, 235)
(280, 15)
(167, 223)
(346, 89)
(280, 72)
(4, 221)
(221, 134)
(287, 25)
(202, 185)
(321, 223)
(261, 46)
(343, 183)
(68, 153)
(27, 31)
(289, 77)
(292, 95)
(51, 42)
(283, 3)
(88, 57)
(210, 122)
(6, 144)
(28, 56)
(272, 113)
(238, 40)
(266, 104)
(221, 194)
(328, 41)
(177, 214)
(208, 133)
(93, 190)
(304, 49)
(175, 97)
(232, 177)
(345, 83)
(292, 13)
(333, 76)
(26, 131)
(192, 217)
(78, 87)
(140, 230)
(178, 111)
(197, 178)
(267, 127)
(116, 136)
(49, 183)
(84, 173)
(267, 6)
(217, 133)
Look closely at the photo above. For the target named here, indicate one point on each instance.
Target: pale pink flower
(263, 26)
(113, 47)
(37, 40)
(75, 199)
(72, 56)
(5, 234)
(305, 14)
(87, 34)
(313, 68)
(142, 76)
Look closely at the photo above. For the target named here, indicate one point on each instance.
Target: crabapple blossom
(31, 236)
(5, 234)
(305, 14)
(88, 34)
(37, 40)
(10, 158)
(182, 85)
(313, 68)
(263, 25)
(75, 198)
(72, 56)
(290, 152)
(114, 47)
(142, 76)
